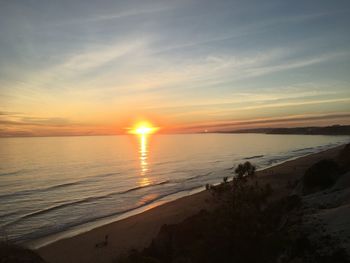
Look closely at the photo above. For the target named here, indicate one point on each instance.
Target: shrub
(344, 158)
(245, 169)
(320, 176)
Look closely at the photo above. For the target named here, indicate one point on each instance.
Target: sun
(143, 128)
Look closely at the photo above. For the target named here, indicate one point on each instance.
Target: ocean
(53, 185)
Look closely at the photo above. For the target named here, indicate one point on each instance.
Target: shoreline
(90, 226)
(40, 242)
(136, 231)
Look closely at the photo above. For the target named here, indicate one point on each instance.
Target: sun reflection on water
(143, 156)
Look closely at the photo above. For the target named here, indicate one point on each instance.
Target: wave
(304, 149)
(11, 173)
(277, 160)
(55, 187)
(253, 157)
(167, 162)
(145, 186)
(101, 197)
(9, 214)
(167, 182)
(198, 176)
(44, 232)
(295, 153)
(81, 201)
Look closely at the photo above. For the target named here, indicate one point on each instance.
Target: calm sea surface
(48, 185)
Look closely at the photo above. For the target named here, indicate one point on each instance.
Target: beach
(137, 232)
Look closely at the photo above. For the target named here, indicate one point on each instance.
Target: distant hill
(328, 130)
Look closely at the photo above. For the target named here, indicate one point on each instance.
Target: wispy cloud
(239, 100)
(119, 12)
(288, 65)
(299, 103)
(19, 124)
(237, 124)
(16, 119)
(101, 55)
(131, 13)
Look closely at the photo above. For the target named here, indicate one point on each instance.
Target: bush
(245, 169)
(344, 158)
(239, 225)
(320, 176)
(243, 226)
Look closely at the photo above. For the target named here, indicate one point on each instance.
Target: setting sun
(143, 128)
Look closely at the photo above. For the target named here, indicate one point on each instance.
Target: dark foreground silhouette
(249, 225)
(328, 130)
(10, 253)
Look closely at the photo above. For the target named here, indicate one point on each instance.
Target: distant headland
(327, 130)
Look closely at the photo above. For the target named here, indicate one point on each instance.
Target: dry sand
(137, 231)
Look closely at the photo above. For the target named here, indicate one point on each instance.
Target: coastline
(85, 227)
(138, 230)
(81, 229)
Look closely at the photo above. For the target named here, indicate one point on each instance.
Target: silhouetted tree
(245, 169)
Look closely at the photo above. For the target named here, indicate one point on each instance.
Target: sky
(83, 67)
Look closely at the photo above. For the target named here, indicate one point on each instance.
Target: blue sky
(95, 67)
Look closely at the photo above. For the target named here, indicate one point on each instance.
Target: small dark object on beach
(103, 243)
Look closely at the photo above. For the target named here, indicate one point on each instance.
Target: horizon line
(175, 133)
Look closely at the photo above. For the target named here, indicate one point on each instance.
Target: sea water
(52, 184)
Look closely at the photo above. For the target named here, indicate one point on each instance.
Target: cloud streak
(269, 121)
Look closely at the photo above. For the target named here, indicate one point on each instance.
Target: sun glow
(143, 128)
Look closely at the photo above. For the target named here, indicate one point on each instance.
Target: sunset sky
(83, 67)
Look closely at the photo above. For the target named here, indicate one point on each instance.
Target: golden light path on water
(143, 157)
(142, 130)
(144, 168)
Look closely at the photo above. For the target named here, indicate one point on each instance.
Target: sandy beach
(137, 231)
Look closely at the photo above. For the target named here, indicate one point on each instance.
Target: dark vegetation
(344, 159)
(325, 173)
(320, 176)
(329, 130)
(249, 226)
(10, 253)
